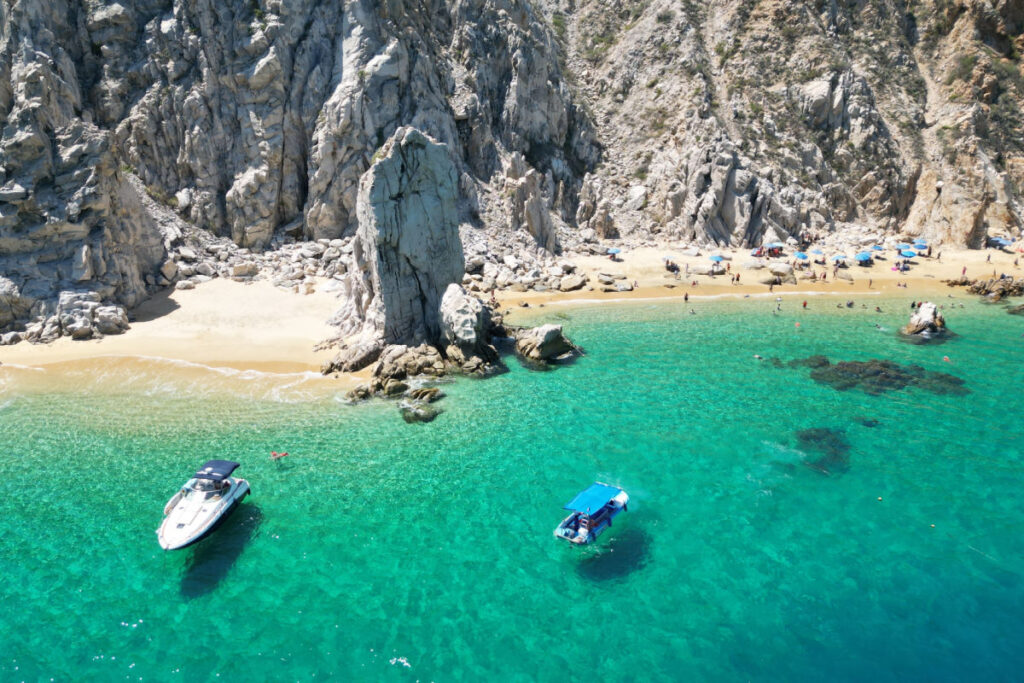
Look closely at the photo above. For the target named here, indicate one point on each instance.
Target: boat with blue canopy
(593, 510)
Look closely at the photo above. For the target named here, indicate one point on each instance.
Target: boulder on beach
(543, 344)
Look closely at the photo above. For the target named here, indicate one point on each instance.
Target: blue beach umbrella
(878, 247)
(839, 257)
(614, 250)
(863, 256)
(817, 251)
(775, 245)
(906, 253)
(717, 259)
(903, 245)
(920, 243)
(801, 255)
(1001, 241)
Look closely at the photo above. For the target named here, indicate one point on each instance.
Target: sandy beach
(223, 323)
(646, 268)
(258, 327)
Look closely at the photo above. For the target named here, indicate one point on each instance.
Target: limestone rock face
(70, 219)
(407, 249)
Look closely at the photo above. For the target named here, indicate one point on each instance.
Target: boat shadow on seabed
(212, 558)
(622, 554)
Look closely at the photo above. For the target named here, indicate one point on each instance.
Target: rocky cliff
(733, 121)
(127, 125)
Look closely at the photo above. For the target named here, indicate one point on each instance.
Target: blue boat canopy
(217, 470)
(593, 498)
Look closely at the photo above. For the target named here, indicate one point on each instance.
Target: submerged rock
(419, 412)
(876, 377)
(833, 446)
(816, 361)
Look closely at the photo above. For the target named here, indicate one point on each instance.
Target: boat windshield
(204, 489)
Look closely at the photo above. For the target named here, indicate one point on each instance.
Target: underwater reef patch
(875, 377)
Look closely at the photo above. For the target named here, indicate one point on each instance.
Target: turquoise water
(384, 551)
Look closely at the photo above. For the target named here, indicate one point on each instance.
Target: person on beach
(963, 271)
(737, 278)
(805, 303)
(686, 297)
(869, 283)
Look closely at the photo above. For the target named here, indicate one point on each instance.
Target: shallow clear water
(381, 550)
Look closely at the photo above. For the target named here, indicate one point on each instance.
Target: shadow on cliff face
(831, 444)
(616, 556)
(156, 306)
(212, 558)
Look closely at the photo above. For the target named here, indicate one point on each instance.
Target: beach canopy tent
(906, 253)
(817, 251)
(614, 250)
(801, 255)
(593, 498)
(863, 256)
(717, 259)
(878, 247)
(217, 470)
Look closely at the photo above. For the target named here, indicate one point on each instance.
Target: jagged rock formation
(735, 123)
(128, 126)
(256, 119)
(926, 321)
(465, 329)
(70, 220)
(407, 248)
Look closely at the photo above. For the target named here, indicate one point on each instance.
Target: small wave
(248, 374)
(16, 366)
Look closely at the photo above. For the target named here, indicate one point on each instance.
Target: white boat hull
(190, 519)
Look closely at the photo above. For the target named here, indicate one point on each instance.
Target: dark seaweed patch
(833, 446)
(876, 377)
(816, 361)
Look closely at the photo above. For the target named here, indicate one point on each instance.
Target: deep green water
(385, 551)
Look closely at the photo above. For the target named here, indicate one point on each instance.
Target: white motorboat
(201, 504)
